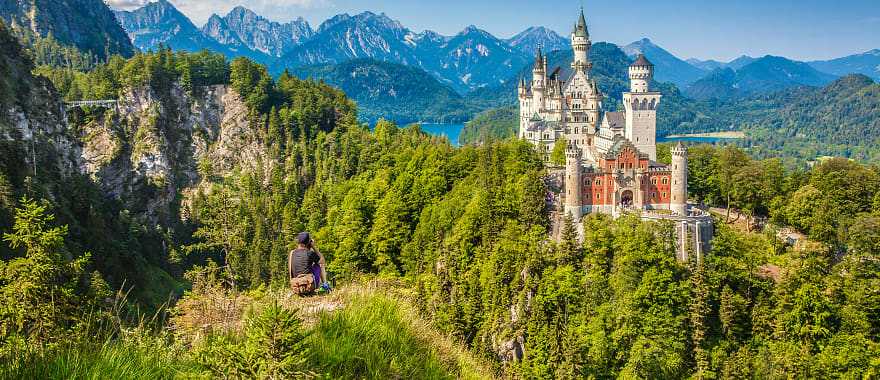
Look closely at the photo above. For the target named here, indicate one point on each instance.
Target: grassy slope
(364, 331)
(378, 334)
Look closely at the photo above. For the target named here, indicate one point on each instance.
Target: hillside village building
(611, 157)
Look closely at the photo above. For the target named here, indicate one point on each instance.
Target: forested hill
(841, 119)
(392, 91)
(89, 25)
(762, 76)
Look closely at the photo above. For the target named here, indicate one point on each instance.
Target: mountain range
(668, 68)
(468, 61)
(161, 24)
(867, 63)
(460, 74)
(763, 75)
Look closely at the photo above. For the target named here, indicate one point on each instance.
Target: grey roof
(641, 61)
(541, 125)
(580, 29)
(616, 119)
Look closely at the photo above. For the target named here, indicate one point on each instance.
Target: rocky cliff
(154, 147)
(33, 133)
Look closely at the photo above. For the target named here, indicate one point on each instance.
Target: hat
(304, 238)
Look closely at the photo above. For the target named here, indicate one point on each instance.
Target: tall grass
(112, 359)
(376, 336)
(368, 330)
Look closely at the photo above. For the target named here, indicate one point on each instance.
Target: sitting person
(306, 266)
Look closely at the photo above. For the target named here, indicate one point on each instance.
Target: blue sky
(798, 29)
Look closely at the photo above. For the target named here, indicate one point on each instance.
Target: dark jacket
(301, 261)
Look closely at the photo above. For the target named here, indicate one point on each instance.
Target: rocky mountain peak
(528, 40)
(258, 33)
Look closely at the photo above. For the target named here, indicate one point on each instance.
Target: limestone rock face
(154, 147)
(35, 125)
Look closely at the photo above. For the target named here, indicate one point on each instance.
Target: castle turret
(641, 107)
(580, 43)
(539, 81)
(521, 88)
(679, 188)
(573, 181)
(640, 74)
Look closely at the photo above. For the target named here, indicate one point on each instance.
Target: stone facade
(611, 157)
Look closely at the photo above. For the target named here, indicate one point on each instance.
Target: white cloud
(200, 10)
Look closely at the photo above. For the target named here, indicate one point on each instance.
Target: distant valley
(433, 77)
(396, 73)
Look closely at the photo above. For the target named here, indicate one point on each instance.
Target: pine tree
(570, 252)
(699, 310)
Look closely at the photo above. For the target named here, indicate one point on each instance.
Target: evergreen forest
(441, 258)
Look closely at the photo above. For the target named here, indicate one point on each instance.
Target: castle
(611, 157)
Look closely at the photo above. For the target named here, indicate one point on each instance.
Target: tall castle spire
(580, 43)
(580, 29)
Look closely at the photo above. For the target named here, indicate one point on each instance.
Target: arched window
(665, 181)
(653, 181)
(653, 104)
(598, 181)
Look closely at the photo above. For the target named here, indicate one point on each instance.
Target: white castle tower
(641, 107)
(539, 82)
(573, 182)
(678, 190)
(580, 43)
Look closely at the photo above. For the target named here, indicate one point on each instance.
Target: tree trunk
(727, 218)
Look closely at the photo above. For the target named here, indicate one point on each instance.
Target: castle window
(653, 195)
(598, 181)
(598, 196)
(664, 194)
(665, 181)
(653, 181)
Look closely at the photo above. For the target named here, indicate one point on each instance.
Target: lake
(706, 137)
(450, 131)
(693, 139)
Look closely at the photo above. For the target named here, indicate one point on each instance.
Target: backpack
(303, 284)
